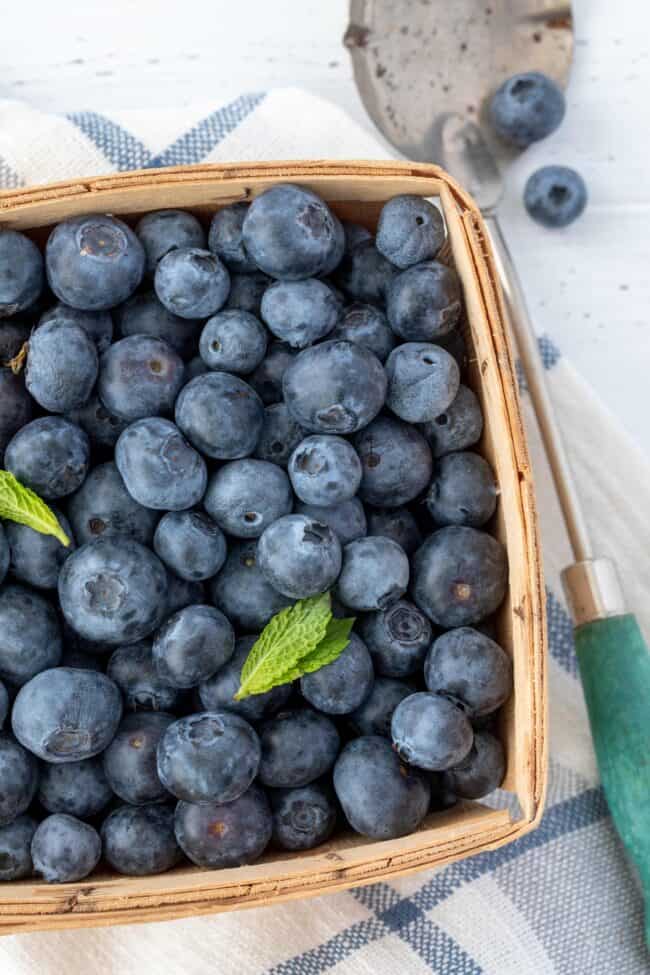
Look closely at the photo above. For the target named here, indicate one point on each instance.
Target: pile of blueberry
(224, 424)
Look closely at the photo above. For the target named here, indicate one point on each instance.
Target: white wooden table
(588, 287)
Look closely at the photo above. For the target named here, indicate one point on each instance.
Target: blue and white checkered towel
(558, 902)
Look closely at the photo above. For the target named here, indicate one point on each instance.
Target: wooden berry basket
(356, 190)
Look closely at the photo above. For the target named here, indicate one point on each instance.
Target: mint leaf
(19, 503)
(336, 639)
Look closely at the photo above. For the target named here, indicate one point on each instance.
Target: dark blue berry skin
(347, 520)
(140, 376)
(471, 669)
(430, 732)
(15, 848)
(423, 303)
(190, 544)
(4, 554)
(481, 771)
(266, 380)
(410, 230)
(80, 660)
(233, 341)
(463, 490)
(302, 818)
(396, 462)
(336, 255)
(159, 467)
(219, 691)
(144, 314)
(280, 435)
(191, 282)
(113, 590)
(373, 716)
(459, 576)
(212, 756)
(325, 470)
(65, 849)
(299, 557)
(300, 312)
(398, 639)
(21, 272)
(93, 262)
(374, 574)
(192, 645)
(77, 788)
(228, 835)
(526, 108)
(423, 381)
(13, 336)
(130, 763)
(459, 427)
(335, 387)
(354, 234)
(4, 704)
(101, 426)
(66, 715)
(166, 230)
(555, 196)
(454, 343)
(297, 748)
(181, 593)
(195, 367)
(16, 407)
(365, 274)
(340, 687)
(242, 591)
(19, 778)
(246, 291)
(49, 455)
(31, 634)
(36, 558)
(133, 669)
(398, 524)
(381, 798)
(98, 325)
(290, 233)
(368, 326)
(226, 241)
(103, 508)
(221, 415)
(246, 496)
(140, 841)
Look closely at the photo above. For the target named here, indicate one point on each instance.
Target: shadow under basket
(356, 190)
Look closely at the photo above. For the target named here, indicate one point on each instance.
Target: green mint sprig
(21, 504)
(296, 641)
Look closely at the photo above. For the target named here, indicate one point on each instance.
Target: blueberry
(181, 593)
(365, 274)
(375, 573)
(130, 760)
(4, 704)
(166, 230)
(159, 467)
(290, 233)
(302, 818)
(381, 798)
(470, 668)
(347, 519)
(396, 462)
(555, 196)
(266, 380)
(65, 849)
(463, 490)
(324, 470)
(300, 312)
(336, 256)
(49, 455)
(454, 343)
(15, 848)
(228, 835)
(4, 554)
(430, 732)
(410, 230)
(16, 407)
(246, 291)
(354, 234)
(139, 841)
(36, 558)
(140, 376)
(133, 669)
(19, 778)
(144, 314)
(103, 508)
(527, 107)
(210, 757)
(219, 691)
(460, 576)
(101, 426)
(191, 282)
(226, 240)
(113, 590)
(246, 496)
(335, 387)
(341, 686)
(280, 435)
(192, 645)
(398, 524)
(481, 771)
(423, 381)
(191, 544)
(221, 415)
(76, 788)
(297, 748)
(13, 336)
(65, 715)
(242, 591)
(93, 262)
(31, 634)
(423, 303)
(233, 341)
(398, 639)
(367, 326)
(98, 325)
(373, 716)
(459, 427)
(299, 557)
(195, 367)
(21, 272)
